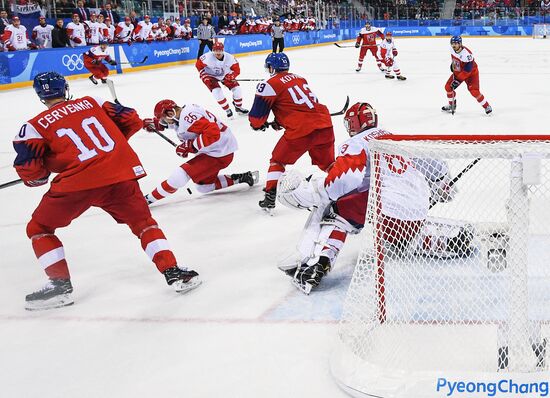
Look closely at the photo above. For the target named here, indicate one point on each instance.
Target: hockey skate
(401, 77)
(229, 113)
(182, 280)
(488, 110)
(56, 293)
(451, 108)
(250, 177)
(309, 276)
(92, 79)
(149, 199)
(240, 109)
(103, 81)
(268, 203)
(357, 70)
(388, 76)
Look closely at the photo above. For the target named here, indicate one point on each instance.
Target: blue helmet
(456, 39)
(277, 61)
(50, 85)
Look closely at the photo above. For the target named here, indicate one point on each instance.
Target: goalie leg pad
(296, 192)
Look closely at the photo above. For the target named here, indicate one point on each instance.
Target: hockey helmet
(277, 61)
(50, 85)
(218, 47)
(164, 106)
(456, 39)
(359, 117)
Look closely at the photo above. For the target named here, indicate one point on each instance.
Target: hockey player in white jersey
(388, 54)
(339, 201)
(15, 36)
(123, 31)
(217, 67)
(94, 29)
(42, 34)
(76, 32)
(143, 30)
(202, 134)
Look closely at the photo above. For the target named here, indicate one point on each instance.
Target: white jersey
(107, 32)
(76, 31)
(97, 52)
(124, 32)
(42, 35)
(143, 30)
(386, 48)
(186, 31)
(212, 66)
(16, 37)
(176, 27)
(211, 137)
(404, 191)
(94, 32)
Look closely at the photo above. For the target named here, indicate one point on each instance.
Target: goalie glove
(295, 191)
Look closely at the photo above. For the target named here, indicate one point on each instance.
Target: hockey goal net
(454, 301)
(541, 31)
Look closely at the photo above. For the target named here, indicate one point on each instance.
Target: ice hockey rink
(246, 332)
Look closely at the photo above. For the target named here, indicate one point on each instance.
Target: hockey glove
(229, 78)
(388, 61)
(185, 148)
(152, 125)
(455, 83)
(95, 61)
(394, 52)
(263, 127)
(112, 62)
(33, 46)
(357, 45)
(275, 125)
(10, 47)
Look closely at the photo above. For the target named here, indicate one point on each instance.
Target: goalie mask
(359, 117)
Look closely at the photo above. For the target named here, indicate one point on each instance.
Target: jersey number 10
(302, 95)
(87, 153)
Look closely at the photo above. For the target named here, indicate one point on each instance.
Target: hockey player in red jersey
(85, 141)
(217, 67)
(339, 200)
(93, 61)
(307, 123)
(366, 40)
(202, 134)
(465, 70)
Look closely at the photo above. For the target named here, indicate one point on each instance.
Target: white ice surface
(246, 332)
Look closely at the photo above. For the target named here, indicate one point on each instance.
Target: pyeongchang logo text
(490, 389)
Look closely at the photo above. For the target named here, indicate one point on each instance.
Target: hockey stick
(344, 109)
(249, 80)
(111, 86)
(349, 46)
(11, 183)
(459, 176)
(135, 63)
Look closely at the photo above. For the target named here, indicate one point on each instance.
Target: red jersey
(84, 140)
(293, 104)
(368, 37)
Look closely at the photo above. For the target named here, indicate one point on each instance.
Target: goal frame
(421, 384)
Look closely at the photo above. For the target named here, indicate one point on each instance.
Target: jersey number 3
(86, 153)
(302, 95)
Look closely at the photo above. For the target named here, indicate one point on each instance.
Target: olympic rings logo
(73, 62)
(295, 39)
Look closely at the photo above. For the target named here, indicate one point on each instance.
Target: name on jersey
(58, 113)
(288, 78)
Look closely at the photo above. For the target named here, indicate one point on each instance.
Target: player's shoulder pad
(265, 89)
(27, 132)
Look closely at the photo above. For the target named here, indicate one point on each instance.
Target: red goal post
(456, 288)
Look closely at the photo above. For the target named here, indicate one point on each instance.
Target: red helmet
(389, 34)
(164, 106)
(187, 20)
(218, 46)
(359, 117)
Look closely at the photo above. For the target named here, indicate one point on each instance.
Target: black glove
(275, 125)
(263, 127)
(112, 62)
(357, 45)
(95, 61)
(455, 83)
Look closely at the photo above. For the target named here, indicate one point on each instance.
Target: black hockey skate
(240, 109)
(104, 81)
(358, 69)
(149, 199)
(92, 79)
(401, 77)
(250, 177)
(488, 110)
(268, 203)
(229, 113)
(451, 108)
(56, 293)
(390, 77)
(309, 276)
(182, 280)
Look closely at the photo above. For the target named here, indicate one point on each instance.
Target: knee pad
(139, 227)
(34, 229)
(237, 92)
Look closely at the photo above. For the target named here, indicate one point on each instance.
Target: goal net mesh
(452, 276)
(541, 31)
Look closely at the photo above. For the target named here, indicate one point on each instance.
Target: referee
(278, 36)
(205, 34)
